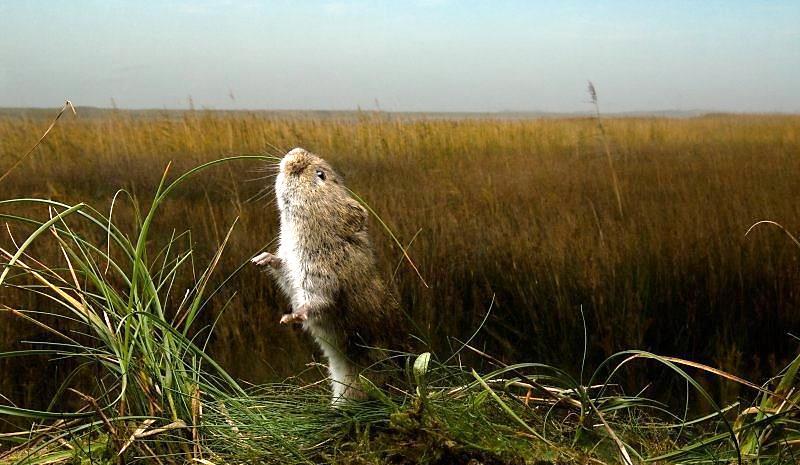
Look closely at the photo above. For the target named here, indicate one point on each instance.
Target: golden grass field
(522, 210)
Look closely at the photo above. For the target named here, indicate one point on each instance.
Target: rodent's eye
(321, 175)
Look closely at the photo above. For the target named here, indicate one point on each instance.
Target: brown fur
(325, 264)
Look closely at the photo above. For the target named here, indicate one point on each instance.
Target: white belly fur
(342, 372)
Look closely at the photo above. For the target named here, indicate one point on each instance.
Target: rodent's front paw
(266, 258)
(299, 315)
(294, 318)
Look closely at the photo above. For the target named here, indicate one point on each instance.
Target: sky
(413, 55)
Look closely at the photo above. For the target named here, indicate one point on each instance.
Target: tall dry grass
(523, 210)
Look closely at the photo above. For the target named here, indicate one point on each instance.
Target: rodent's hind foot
(266, 258)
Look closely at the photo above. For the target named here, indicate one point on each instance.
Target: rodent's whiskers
(279, 152)
(262, 194)
(261, 178)
(268, 170)
(269, 204)
(267, 167)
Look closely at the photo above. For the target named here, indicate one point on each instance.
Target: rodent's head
(307, 183)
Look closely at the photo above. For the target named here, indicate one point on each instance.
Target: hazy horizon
(421, 56)
(589, 111)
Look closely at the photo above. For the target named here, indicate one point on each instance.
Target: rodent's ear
(356, 216)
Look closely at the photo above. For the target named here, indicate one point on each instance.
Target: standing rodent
(326, 266)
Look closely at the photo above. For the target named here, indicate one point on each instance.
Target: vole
(326, 266)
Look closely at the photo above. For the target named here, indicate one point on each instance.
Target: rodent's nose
(295, 161)
(296, 151)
